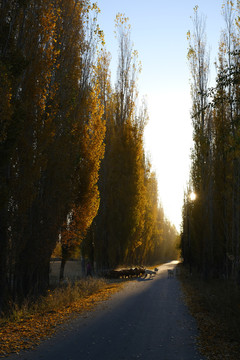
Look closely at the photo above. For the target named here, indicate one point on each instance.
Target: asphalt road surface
(147, 320)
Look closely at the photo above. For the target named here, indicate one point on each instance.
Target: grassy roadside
(28, 325)
(216, 306)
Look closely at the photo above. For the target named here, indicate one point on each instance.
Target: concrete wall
(73, 271)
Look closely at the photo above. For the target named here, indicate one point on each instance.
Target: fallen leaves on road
(27, 332)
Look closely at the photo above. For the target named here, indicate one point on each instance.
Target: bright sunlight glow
(193, 196)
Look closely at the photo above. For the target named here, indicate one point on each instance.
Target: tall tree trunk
(62, 267)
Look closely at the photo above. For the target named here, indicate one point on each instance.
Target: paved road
(147, 320)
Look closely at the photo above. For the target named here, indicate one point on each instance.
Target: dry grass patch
(216, 306)
(28, 325)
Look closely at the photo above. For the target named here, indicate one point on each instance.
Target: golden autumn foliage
(53, 135)
(85, 206)
(127, 229)
(72, 161)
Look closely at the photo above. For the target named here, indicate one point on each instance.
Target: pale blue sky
(158, 32)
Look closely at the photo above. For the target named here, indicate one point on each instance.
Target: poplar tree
(130, 223)
(215, 161)
(51, 135)
(227, 128)
(201, 172)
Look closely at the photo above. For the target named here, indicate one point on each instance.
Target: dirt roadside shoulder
(215, 306)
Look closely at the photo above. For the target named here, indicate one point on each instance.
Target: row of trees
(51, 134)
(57, 107)
(211, 224)
(130, 227)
